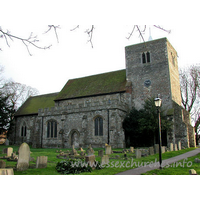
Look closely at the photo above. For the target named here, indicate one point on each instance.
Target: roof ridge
(96, 74)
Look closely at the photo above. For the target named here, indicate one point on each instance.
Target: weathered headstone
(101, 153)
(138, 153)
(108, 150)
(156, 148)
(131, 149)
(4, 151)
(105, 160)
(6, 171)
(90, 160)
(24, 156)
(192, 172)
(72, 153)
(197, 160)
(90, 151)
(9, 151)
(176, 147)
(7, 142)
(179, 145)
(41, 162)
(151, 151)
(2, 164)
(163, 149)
(171, 147)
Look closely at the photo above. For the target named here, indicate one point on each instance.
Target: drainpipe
(42, 133)
(108, 127)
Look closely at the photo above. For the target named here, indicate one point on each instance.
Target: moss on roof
(94, 85)
(33, 104)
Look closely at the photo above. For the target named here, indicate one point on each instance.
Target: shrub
(73, 166)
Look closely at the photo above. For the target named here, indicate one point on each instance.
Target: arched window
(52, 129)
(23, 130)
(146, 57)
(98, 126)
(143, 58)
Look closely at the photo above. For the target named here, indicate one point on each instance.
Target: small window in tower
(143, 58)
(148, 57)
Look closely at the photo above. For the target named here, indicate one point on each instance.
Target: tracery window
(52, 129)
(98, 122)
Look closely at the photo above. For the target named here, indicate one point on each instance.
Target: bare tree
(190, 93)
(32, 40)
(18, 93)
(142, 30)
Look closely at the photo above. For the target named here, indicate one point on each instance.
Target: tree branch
(75, 28)
(90, 34)
(55, 29)
(30, 41)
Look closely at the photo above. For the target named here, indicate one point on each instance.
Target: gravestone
(192, 172)
(9, 151)
(90, 151)
(151, 151)
(7, 142)
(163, 149)
(4, 151)
(90, 160)
(72, 153)
(131, 149)
(6, 171)
(101, 153)
(138, 153)
(41, 162)
(105, 160)
(108, 150)
(2, 164)
(24, 156)
(156, 148)
(179, 145)
(197, 160)
(176, 147)
(171, 147)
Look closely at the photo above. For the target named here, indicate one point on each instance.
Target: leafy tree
(6, 112)
(141, 126)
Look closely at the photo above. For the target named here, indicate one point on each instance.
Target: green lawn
(178, 168)
(115, 166)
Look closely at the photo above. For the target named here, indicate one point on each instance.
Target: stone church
(90, 110)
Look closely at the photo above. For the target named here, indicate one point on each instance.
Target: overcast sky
(73, 57)
(49, 70)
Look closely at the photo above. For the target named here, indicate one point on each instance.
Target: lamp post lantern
(158, 103)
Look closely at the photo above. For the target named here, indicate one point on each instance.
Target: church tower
(152, 68)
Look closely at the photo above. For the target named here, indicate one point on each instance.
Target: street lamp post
(158, 103)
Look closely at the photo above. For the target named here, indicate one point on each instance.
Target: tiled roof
(33, 104)
(100, 84)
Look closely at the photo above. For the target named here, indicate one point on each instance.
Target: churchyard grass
(178, 168)
(117, 165)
